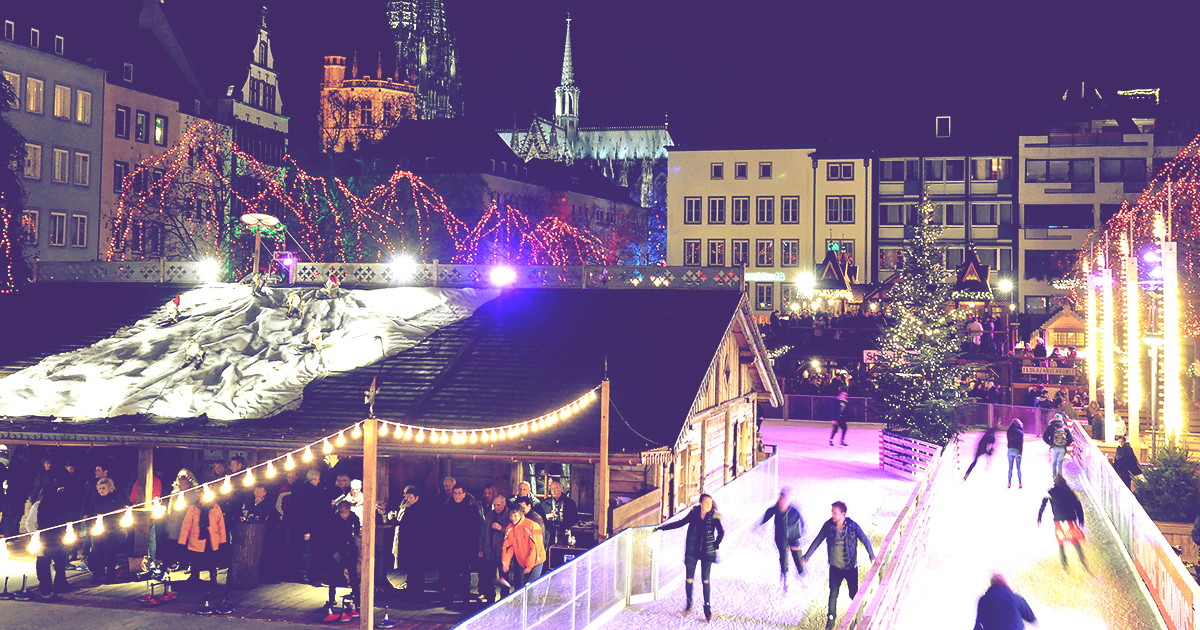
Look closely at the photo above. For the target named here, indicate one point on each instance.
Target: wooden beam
(601, 499)
(366, 589)
(141, 530)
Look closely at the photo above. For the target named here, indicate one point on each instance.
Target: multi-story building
(427, 54)
(59, 114)
(971, 184)
(754, 208)
(1075, 173)
(843, 183)
(361, 110)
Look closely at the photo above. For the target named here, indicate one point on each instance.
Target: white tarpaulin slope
(258, 359)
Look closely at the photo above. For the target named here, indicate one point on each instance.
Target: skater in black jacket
(789, 527)
(704, 535)
(841, 536)
(987, 442)
(1068, 519)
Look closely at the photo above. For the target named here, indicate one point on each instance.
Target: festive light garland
(401, 431)
(778, 352)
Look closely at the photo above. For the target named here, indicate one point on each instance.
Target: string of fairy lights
(269, 469)
(205, 173)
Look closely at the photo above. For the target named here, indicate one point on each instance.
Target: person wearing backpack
(1058, 437)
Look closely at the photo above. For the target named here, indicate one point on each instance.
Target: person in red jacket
(524, 552)
(203, 532)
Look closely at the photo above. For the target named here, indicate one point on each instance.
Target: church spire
(568, 73)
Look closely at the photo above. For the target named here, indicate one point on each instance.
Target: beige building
(361, 110)
(773, 211)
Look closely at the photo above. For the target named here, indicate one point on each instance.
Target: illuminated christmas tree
(917, 376)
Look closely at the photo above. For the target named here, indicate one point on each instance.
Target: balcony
(1075, 188)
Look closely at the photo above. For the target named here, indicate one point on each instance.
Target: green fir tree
(917, 375)
(1170, 490)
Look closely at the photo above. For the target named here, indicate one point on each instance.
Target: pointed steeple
(568, 72)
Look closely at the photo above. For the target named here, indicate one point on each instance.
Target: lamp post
(258, 222)
(1153, 343)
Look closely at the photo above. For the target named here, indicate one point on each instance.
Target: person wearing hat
(839, 417)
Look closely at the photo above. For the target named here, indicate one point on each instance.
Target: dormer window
(35, 38)
(128, 73)
(58, 45)
(10, 30)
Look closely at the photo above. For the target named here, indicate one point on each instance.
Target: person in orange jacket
(523, 542)
(203, 532)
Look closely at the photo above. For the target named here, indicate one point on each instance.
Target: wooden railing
(906, 455)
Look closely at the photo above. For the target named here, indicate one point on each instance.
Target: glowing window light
(503, 276)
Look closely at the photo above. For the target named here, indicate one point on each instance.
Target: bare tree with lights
(918, 376)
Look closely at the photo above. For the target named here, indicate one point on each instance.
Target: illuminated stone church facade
(428, 56)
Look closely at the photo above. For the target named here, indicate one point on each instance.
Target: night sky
(772, 71)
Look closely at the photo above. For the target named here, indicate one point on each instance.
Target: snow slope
(258, 359)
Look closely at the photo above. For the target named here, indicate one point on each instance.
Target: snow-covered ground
(257, 361)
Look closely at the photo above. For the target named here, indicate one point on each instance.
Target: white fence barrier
(906, 455)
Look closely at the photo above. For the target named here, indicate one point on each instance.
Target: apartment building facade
(841, 208)
(59, 114)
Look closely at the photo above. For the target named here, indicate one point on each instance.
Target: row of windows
(143, 179)
(35, 37)
(789, 210)
(995, 258)
(262, 96)
(137, 123)
(61, 228)
(716, 170)
(764, 252)
(944, 170)
(69, 104)
(982, 214)
(764, 295)
(1111, 170)
(68, 166)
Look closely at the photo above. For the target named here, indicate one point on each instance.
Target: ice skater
(1068, 519)
(1016, 446)
(704, 535)
(789, 527)
(1001, 609)
(839, 417)
(841, 536)
(1058, 437)
(987, 442)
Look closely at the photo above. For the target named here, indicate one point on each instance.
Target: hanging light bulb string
(268, 469)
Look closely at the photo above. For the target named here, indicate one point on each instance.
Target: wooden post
(141, 529)
(601, 499)
(366, 587)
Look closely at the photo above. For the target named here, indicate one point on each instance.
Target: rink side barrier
(1170, 585)
(886, 582)
(905, 455)
(631, 567)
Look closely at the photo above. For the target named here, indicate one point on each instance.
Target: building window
(840, 210)
(716, 170)
(33, 95)
(29, 225)
(693, 210)
(1059, 171)
(83, 169)
(741, 210)
(764, 170)
(62, 159)
(891, 258)
(1037, 304)
(991, 214)
(941, 127)
(893, 213)
(58, 229)
(83, 107)
(766, 252)
(122, 122)
(716, 252)
(35, 38)
(10, 30)
(954, 257)
(691, 252)
(991, 169)
(365, 117)
(1068, 338)
(152, 238)
(788, 296)
(14, 80)
(944, 170)
(789, 209)
(160, 131)
(268, 97)
(1127, 170)
(128, 73)
(741, 252)
(62, 102)
(716, 210)
(839, 171)
(789, 252)
(764, 296)
(766, 211)
(79, 230)
(141, 126)
(844, 249)
(740, 170)
(261, 57)
(33, 161)
(899, 170)
(58, 45)
(120, 170)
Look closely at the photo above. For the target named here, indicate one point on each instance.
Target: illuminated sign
(765, 276)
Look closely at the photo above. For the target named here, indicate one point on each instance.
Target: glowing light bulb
(492, 435)
(307, 456)
(421, 435)
(445, 438)
(592, 395)
(474, 438)
(270, 470)
(98, 527)
(35, 543)
(341, 438)
(383, 429)
(127, 519)
(326, 447)
(208, 493)
(158, 509)
(249, 480)
(357, 432)
(408, 433)
(69, 538)
(226, 487)
(180, 503)
(290, 463)
(565, 412)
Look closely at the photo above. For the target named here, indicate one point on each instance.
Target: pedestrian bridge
(937, 539)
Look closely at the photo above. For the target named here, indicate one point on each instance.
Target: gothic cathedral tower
(566, 99)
